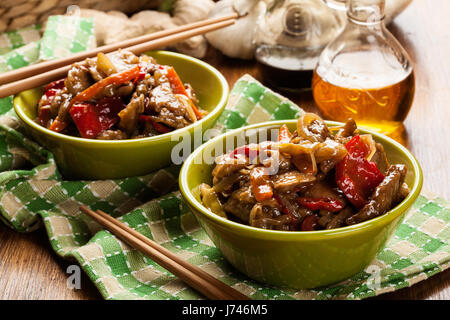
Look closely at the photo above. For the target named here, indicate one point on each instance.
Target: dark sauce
(286, 69)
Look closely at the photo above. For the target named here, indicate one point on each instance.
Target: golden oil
(380, 108)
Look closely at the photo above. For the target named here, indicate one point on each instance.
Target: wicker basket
(16, 14)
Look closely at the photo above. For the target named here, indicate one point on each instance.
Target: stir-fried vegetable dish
(118, 96)
(310, 179)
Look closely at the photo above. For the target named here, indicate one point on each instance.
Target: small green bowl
(300, 260)
(80, 158)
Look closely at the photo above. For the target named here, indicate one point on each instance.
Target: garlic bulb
(187, 11)
(118, 14)
(236, 40)
(153, 21)
(114, 26)
(195, 46)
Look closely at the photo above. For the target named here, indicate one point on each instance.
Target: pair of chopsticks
(42, 73)
(192, 275)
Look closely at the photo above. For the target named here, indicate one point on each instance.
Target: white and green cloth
(33, 193)
(66, 35)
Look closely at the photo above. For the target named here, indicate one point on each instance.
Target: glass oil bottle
(365, 73)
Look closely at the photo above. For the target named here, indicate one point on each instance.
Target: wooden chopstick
(58, 73)
(41, 67)
(230, 291)
(190, 274)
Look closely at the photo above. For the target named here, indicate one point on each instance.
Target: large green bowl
(100, 159)
(294, 259)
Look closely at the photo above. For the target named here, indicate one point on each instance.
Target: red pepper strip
(356, 176)
(328, 204)
(115, 79)
(284, 135)
(309, 223)
(58, 84)
(357, 148)
(142, 73)
(350, 189)
(91, 120)
(107, 110)
(178, 88)
(250, 151)
(260, 184)
(51, 92)
(96, 88)
(158, 126)
(86, 120)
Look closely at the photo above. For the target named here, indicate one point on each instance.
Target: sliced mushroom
(211, 200)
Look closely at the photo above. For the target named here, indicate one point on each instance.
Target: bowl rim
(126, 142)
(254, 232)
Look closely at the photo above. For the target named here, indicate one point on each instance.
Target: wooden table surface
(29, 269)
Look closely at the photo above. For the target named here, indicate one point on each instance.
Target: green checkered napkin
(19, 48)
(65, 35)
(21, 57)
(17, 38)
(32, 191)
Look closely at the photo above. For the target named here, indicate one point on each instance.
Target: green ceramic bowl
(294, 259)
(99, 159)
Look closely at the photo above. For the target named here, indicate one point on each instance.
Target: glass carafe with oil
(365, 73)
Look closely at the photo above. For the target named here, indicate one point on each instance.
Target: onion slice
(312, 128)
(368, 141)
